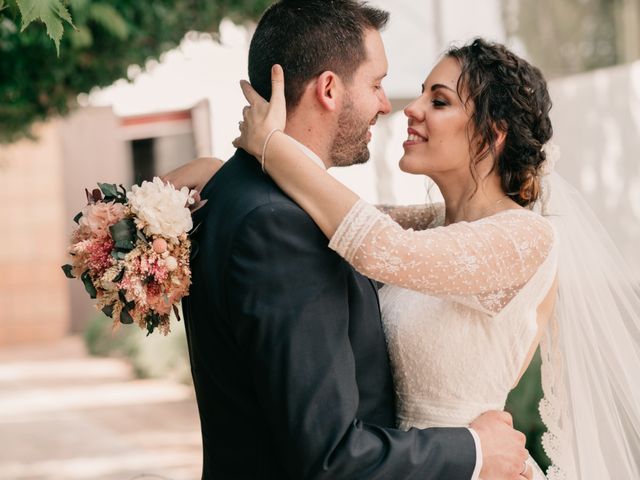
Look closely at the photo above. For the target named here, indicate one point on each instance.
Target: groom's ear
(328, 90)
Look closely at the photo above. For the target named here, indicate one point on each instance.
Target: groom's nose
(385, 104)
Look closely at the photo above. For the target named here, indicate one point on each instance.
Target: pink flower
(99, 252)
(160, 245)
(159, 272)
(157, 299)
(98, 217)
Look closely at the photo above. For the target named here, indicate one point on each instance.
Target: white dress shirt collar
(309, 153)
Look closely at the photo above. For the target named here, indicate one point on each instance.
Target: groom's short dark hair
(308, 37)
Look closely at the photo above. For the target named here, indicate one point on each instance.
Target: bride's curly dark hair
(510, 95)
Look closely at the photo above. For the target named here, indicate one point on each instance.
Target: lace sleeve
(417, 217)
(494, 256)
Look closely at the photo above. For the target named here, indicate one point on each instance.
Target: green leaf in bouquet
(109, 189)
(176, 310)
(123, 234)
(119, 276)
(152, 320)
(125, 316)
(124, 245)
(142, 237)
(118, 255)
(108, 310)
(88, 284)
(112, 192)
(67, 269)
(77, 217)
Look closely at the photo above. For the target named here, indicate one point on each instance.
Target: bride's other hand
(195, 174)
(262, 117)
(503, 448)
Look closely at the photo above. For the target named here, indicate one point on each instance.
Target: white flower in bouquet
(160, 209)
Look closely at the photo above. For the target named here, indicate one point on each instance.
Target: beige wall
(93, 151)
(33, 289)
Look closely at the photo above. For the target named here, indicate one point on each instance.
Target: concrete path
(67, 416)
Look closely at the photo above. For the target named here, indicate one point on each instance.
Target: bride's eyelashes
(438, 103)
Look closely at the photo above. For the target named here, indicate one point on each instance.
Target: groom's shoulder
(241, 192)
(242, 179)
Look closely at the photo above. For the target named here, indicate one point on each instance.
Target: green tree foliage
(97, 40)
(50, 12)
(523, 405)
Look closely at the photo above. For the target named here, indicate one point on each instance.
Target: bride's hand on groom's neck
(195, 174)
(261, 118)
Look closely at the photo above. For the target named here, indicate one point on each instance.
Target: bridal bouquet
(131, 250)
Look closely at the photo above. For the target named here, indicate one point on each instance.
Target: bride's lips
(414, 138)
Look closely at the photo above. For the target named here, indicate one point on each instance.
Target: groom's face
(364, 99)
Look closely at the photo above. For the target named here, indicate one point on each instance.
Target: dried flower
(98, 217)
(160, 245)
(132, 280)
(160, 209)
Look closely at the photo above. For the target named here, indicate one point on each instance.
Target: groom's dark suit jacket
(287, 351)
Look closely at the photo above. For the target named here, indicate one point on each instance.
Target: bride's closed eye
(437, 103)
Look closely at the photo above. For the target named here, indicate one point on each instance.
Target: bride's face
(438, 135)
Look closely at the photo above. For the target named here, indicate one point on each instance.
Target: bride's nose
(413, 112)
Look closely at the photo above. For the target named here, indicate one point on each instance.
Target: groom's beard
(350, 146)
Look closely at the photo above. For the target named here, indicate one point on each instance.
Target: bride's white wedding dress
(460, 310)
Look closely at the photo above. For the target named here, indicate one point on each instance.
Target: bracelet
(264, 147)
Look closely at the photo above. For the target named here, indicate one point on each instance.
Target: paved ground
(67, 416)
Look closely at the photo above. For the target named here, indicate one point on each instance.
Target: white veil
(591, 349)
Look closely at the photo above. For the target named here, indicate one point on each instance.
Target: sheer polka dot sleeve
(490, 259)
(417, 217)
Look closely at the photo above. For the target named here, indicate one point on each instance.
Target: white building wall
(596, 118)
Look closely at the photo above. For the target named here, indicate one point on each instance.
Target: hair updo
(510, 95)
